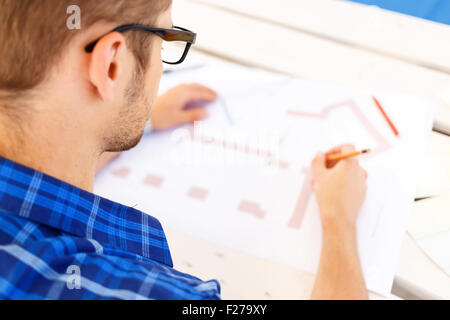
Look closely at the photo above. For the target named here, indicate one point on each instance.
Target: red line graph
(383, 144)
(306, 190)
(302, 201)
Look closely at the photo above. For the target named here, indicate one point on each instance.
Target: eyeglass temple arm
(166, 34)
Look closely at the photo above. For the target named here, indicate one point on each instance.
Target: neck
(53, 147)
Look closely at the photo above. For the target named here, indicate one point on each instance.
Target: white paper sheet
(240, 179)
(430, 227)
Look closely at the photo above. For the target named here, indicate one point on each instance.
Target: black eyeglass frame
(175, 34)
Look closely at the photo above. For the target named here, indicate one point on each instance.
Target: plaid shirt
(60, 242)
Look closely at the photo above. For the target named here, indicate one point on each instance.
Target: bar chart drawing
(251, 207)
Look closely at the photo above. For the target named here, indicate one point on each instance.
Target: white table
(326, 40)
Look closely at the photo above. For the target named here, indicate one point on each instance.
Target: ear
(106, 64)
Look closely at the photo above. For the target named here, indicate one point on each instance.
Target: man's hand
(169, 109)
(340, 187)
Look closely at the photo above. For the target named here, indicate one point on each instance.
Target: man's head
(47, 78)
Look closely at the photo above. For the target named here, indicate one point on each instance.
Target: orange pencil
(340, 156)
(385, 116)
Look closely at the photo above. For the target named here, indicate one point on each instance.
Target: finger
(348, 165)
(340, 148)
(347, 148)
(318, 164)
(196, 92)
(365, 174)
(198, 86)
(193, 115)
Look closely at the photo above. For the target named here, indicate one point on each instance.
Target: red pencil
(385, 116)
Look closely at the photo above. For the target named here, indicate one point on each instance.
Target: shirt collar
(35, 196)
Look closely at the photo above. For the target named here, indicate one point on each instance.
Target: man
(67, 97)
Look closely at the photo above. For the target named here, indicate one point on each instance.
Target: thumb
(318, 164)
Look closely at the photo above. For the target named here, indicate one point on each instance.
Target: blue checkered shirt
(60, 242)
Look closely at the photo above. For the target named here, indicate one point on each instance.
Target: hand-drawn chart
(305, 193)
(306, 190)
(217, 186)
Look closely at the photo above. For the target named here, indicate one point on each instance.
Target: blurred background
(434, 10)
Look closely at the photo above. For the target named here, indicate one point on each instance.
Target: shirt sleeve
(95, 275)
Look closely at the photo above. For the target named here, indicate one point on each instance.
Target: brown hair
(33, 34)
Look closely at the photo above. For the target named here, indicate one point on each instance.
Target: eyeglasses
(176, 45)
